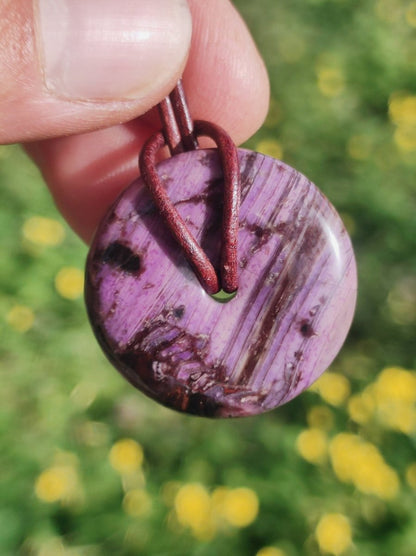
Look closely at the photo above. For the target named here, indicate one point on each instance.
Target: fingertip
(101, 50)
(225, 73)
(76, 66)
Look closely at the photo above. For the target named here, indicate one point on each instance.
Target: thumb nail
(107, 50)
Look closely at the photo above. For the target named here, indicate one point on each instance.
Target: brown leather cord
(180, 134)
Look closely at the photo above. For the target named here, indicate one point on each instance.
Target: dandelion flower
(44, 232)
(55, 483)
(312, 445)
(69, 282)
(241, 506)
(126, 456)
(194, 510)
(333, 388)
(333, 533)
(270, 551)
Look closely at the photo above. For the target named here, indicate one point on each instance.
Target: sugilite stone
(180, 346)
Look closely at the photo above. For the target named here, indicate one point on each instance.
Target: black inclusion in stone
(120, 256)
(199, 404)
(179, 312)
(306, 329)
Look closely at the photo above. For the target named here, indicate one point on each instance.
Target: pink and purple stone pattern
(179, 345)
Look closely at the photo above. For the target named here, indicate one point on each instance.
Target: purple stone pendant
(227, 220)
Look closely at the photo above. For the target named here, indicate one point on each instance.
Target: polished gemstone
(191, 352)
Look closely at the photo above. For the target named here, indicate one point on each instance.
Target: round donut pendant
(247, 353)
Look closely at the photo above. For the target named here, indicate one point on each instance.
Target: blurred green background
(89, 466)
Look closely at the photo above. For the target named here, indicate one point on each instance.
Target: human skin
(86, 148)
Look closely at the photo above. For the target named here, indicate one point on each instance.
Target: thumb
(70, 66)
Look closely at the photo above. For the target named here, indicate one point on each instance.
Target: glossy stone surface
(293, 309)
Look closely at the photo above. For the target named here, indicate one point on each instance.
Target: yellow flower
(20, 318)
(411, 475)
(388, 483)
(397, 383)
(331, 81)
(333, 388)
(218, 500)
(395, 395)
(312, 445)
(399, 417)
(43, 231)
(360, 463)
(126, 456)
(270, 147)
(55, 483)
(402, 109)
(240, 507)
(372, 475)
(137, 502)
(361, 407)
(204, 514)
(342, 450)
(333, 533)
(69, 282)
(193, 509)
(402, 112)
(270, 551)
(320, 417)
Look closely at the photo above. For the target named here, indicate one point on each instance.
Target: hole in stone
(223, 297)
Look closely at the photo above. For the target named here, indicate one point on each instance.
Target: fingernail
(111, 50)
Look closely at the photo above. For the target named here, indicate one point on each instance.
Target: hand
(77, 74)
